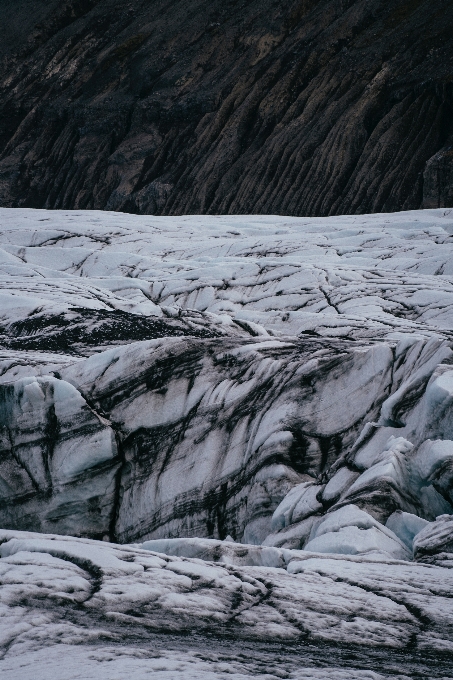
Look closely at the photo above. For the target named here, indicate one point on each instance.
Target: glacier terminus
(226, 446)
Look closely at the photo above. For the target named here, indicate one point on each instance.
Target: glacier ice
(236, 425)
(351, 531)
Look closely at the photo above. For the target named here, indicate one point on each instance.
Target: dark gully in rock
(226, 446)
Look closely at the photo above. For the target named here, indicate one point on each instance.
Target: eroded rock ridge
(296, 108)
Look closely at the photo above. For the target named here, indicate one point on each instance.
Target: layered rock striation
(301, 108)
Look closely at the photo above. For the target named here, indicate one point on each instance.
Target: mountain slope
(302, 108)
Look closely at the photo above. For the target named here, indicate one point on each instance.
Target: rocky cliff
(301, 108)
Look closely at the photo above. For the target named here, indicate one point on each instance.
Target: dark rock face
(438, 180)
(303, 108)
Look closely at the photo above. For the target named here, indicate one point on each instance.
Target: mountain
(227, 106)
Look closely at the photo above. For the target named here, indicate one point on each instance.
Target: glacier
(233, 428)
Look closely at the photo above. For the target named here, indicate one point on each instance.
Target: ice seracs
(59, 458)
(258, 409)
(253, 386)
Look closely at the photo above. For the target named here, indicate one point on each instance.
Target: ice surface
(406, 526)
(108, 662)
(351, 531)
(163, 327)
(434, 543)
(260, 411)
(81, 607)
(323, 275)
(300, 502)
(341, 481)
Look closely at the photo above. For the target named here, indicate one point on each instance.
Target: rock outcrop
(300, 108)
